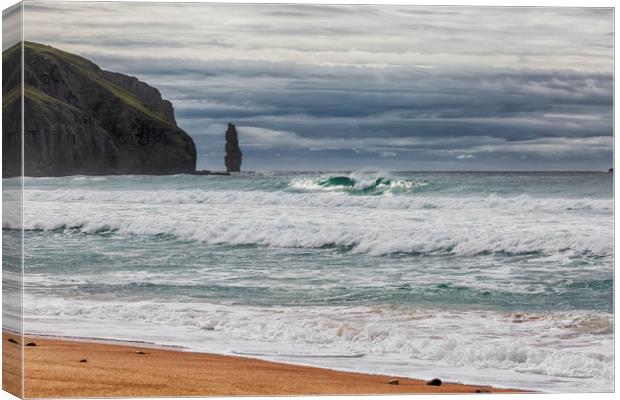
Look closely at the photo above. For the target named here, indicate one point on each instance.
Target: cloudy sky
(352, 87)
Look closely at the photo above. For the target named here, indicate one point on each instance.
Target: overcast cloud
(349, 87)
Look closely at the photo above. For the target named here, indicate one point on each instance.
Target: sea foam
(375, 225)
(502, 279)
(500, 344)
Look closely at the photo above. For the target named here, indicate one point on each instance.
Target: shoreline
(123, 369)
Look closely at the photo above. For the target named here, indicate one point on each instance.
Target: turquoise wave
(376, 185)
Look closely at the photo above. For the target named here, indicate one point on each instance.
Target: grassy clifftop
(84, 67)
(80, 119)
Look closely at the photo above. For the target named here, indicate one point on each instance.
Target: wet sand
(54, 368)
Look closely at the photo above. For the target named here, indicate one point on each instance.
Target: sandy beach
(69, 368)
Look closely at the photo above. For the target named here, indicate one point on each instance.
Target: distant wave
(357, 185)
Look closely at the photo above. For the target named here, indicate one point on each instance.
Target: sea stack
(233, 152)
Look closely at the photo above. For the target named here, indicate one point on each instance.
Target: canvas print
(211, 199)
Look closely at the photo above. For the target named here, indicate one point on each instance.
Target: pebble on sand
(483, 390)
(434, 382)
(394, 382)
(140, 352)
(83, 360)
(31, 344)
(11, 340)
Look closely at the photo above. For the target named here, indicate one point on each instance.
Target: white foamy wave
(309, 184)
(521, 203)
(361, 224)
(373, 242)
(360, 184)
(398, 336)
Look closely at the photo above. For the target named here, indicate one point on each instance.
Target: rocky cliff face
(233, 152)
(79, 119)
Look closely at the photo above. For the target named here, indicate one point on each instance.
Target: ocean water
(488, 278)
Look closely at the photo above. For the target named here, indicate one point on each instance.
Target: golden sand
(54, 368)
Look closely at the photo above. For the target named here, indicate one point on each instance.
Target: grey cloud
(11, 26)
(391, 85)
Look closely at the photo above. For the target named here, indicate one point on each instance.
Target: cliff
(80, 119)
(233, 152)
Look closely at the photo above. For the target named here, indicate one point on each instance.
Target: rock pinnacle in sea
(233, 152)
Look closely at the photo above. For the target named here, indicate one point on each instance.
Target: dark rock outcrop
(148, 94)
(79, 119)
(233, 152)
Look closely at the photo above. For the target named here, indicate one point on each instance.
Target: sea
(501, 279)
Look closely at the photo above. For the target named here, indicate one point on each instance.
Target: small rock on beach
(434, 382)
(394, 382)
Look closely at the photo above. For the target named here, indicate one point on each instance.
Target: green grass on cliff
(39, 96)
(132, 101)
(91, 71)
(10, 97)
(34, 95)
(8, 53)
(75, 60)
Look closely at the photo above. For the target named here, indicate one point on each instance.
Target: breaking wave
(358, 185)
(380, 232)
(321, 213)
(516, 204)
